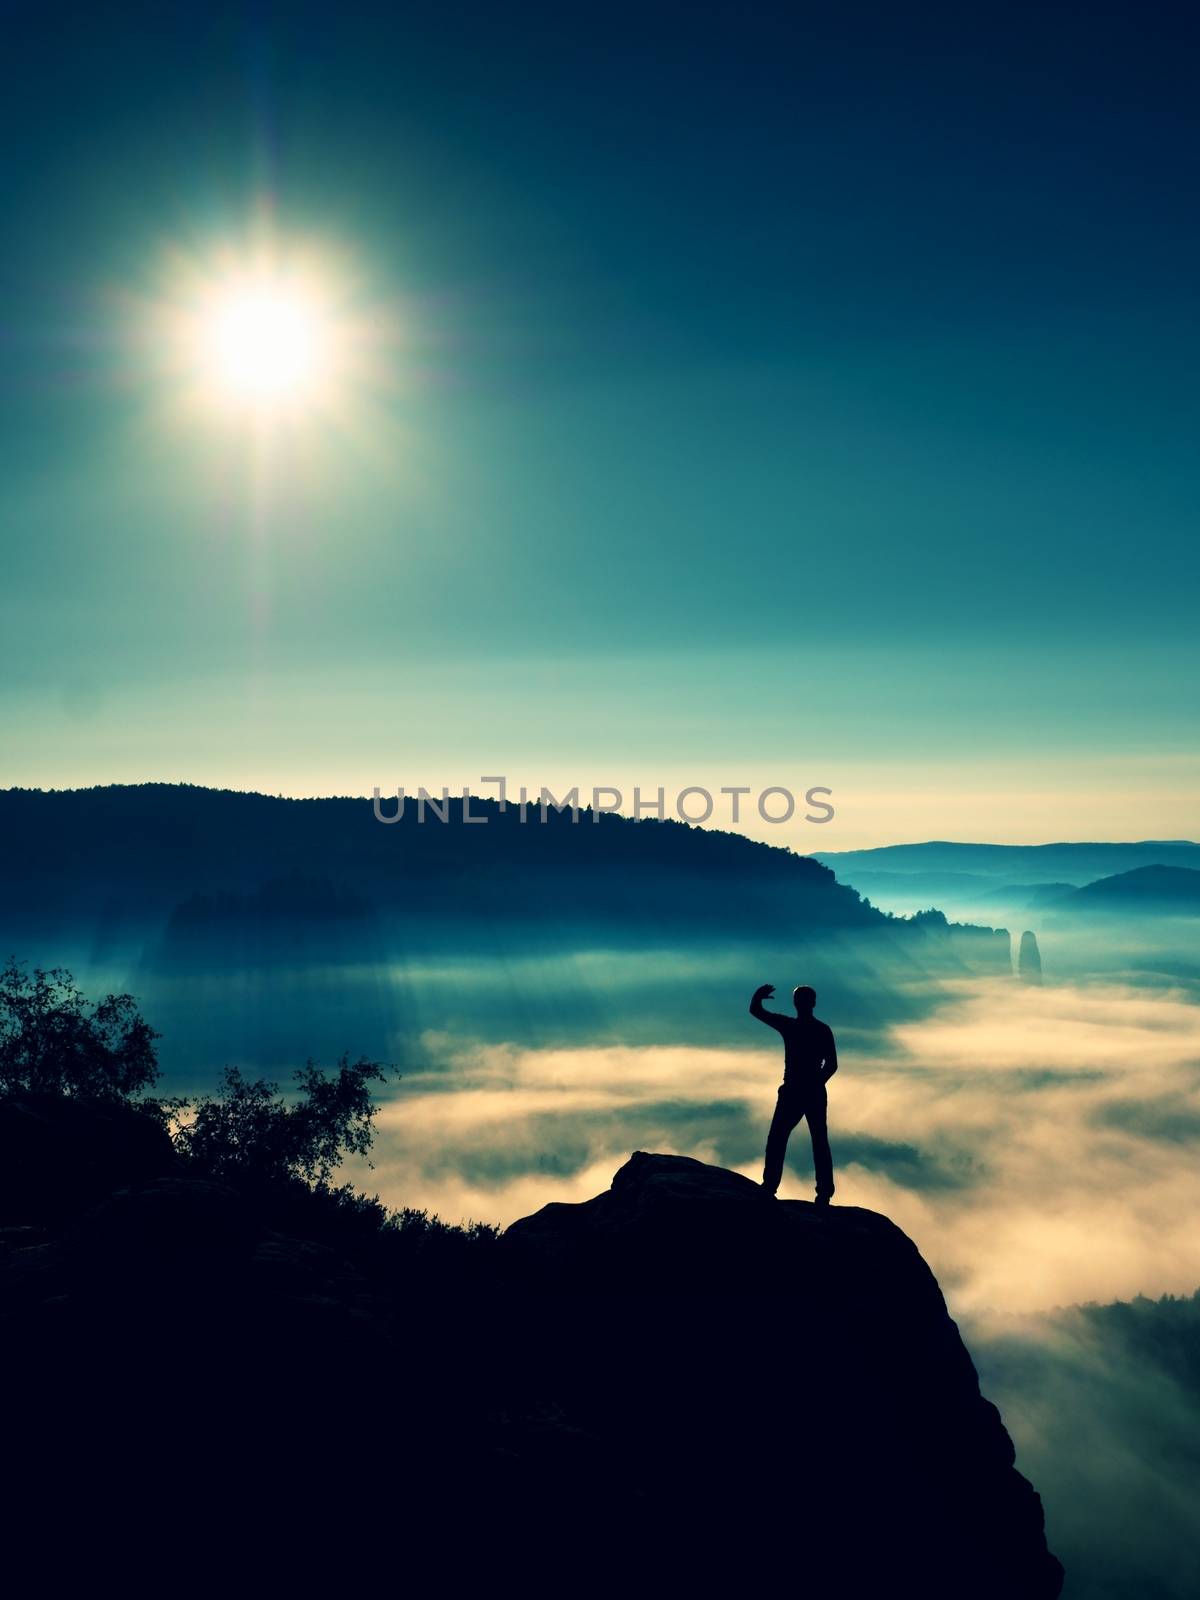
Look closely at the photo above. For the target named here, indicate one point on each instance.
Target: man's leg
(787, 1115)
(818, 1127)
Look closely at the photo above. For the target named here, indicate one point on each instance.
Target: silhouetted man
(809, 1061)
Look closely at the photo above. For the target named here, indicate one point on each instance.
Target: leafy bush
(53, 1040)
(249, 1129)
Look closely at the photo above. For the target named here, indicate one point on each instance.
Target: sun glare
(264, 343)
(265, 331)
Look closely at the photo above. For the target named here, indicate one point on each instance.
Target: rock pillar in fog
(1029, 960)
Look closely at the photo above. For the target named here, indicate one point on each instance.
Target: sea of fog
(1039, 1144)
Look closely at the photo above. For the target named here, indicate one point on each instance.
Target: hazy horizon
(809, 840)
(785, 402)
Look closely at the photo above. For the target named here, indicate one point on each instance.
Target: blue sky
(802, 394)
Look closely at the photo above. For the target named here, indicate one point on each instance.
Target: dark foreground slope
(677, 1382)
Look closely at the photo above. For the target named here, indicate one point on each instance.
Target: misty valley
(1019, 1035)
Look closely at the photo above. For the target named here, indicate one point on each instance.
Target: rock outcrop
(789, 1397)
(970, 947)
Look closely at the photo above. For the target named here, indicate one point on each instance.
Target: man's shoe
(823, 1199)
(767, 1194)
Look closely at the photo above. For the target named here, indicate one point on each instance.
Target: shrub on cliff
(55, 1041)
(248, 1128)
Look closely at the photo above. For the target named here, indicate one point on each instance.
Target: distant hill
(296, 919)
(1031, 894)
(1013, 863)
(1143, 889)
(202, 875)
(159, 852)
(942, 886)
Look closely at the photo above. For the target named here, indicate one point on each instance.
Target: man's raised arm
(757, 1009)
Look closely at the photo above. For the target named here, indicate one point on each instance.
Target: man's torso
(807, 1043)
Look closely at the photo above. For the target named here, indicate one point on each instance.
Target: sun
(269, 335)
(264, 343)
(263, 330)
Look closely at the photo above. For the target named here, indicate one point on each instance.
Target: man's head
(804, 999)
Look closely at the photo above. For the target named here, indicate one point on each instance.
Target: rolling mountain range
(978, 881)
(1013, 863)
